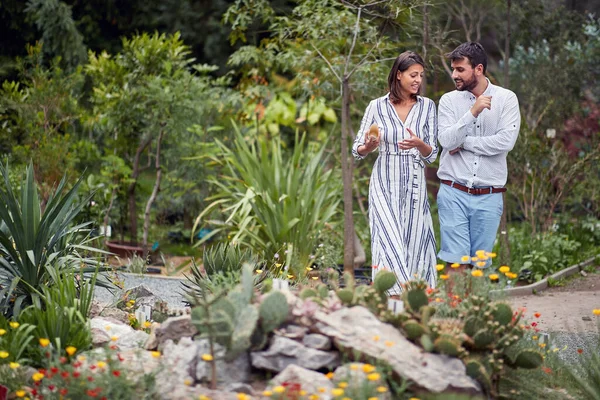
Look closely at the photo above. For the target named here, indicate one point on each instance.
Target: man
(478, 126)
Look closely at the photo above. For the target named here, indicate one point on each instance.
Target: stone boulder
(174, 329)
(357, 330)
(284, 351)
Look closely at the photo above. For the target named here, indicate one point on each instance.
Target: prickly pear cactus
(273, 311)
(384, 281)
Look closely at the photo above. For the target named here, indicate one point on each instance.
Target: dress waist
(416, 156)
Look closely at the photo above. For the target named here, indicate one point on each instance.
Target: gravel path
(168, 289)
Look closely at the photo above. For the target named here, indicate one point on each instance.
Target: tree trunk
(347, 180)
(152, 196)
(131, 190)
(425, 44)
(504, 239)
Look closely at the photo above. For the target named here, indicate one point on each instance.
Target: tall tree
(340, 42)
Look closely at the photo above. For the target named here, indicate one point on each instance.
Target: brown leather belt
(473, 191)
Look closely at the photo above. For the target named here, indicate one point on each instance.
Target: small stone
(583, 273)
(586, 318)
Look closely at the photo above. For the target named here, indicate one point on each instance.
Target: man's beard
(467, 85)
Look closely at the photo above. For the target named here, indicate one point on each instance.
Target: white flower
(276, 256)
(550, 133)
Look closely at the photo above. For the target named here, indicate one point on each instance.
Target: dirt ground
(565, 308)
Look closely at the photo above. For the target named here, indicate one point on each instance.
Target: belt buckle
(469, 190)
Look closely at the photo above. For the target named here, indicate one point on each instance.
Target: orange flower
(537, 315)
(580, 351)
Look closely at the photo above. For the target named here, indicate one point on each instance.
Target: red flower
(120, 357)
(64, 374)
(77, 364)
(580, 351)
(534, 324)
(76, 374)
(63, 360)
(90, 379)
(114, 347)
(91, 393)
(34, 392)
(63, 392)
(116, 373)
(51, 387)
(547, 370)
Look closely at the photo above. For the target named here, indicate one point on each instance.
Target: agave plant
(275, 204)
(32, 239)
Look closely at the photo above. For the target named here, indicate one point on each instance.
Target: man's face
(464, 75)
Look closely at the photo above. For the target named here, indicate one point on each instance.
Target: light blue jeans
(467, 223)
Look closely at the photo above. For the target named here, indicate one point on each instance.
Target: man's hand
(481, 103)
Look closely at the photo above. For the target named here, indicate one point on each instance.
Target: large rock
(115, 314)
(311, 381)
(357, 330)
(122, 335)
(284, 352)
(174, 329)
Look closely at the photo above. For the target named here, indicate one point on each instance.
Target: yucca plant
(32, 238)
(273, 203)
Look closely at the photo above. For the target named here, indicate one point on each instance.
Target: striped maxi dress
(402, 237)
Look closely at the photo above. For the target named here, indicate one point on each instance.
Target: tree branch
(327, 61)
(356, 30)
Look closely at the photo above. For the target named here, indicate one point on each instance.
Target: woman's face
(410, 80)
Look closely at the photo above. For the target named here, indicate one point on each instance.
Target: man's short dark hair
(472, 51)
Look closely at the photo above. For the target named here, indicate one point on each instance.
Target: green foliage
(59, 31)
(31, 238)
(273, 311)
(272, 200)
(15, 341)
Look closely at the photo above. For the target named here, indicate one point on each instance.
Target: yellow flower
(455, 265)
(313, 397)
(491, 255)
(382, 389)
(542, 345)
(493, 277)
(329, 375)
(290, 276)
(465, 259)
(203, 397)
(477, 273)
(259, 271)
(147, 324)
(343, 385)
(354, 367)
(14, 365)
(2, 332)
(187, 382)
(321, 390)
(20, 393)
(4, 354)
(14, 324)
(388, 343)
(38, 376)
(376, 338)
(504, 269)
(71, 350)
(444, 277)
(107, 328)
(480, 253)
(439, 267)
(372, 398)
(368, 368)
(511, 275)
(101, 364)
(314, 278)
(114, 338)
(155, 354)
(44, 342)
(474, 259)
(309, 268)
(279, 389)
(337, 392)
(481, 264)
(267, 393)
(596, 311)
(303, 393)
(207, 357)
(373, 377)
(81, 358)
(243, 396)
(414, 398)
(534, 337)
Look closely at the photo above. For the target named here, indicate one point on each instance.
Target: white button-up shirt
(485, 141)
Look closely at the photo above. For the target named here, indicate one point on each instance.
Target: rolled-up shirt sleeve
(506, 135)
(452, 134)
(367, 120)
(430, 134)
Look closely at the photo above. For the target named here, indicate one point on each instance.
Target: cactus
(447, 345)
(473, 324)
(477, 370)
(416, 298)
(502, 313)
(307, 293)
(273, 311)
(413, 329)
(483, 338)
(323, 291)
(426, 313)
(427, 343)
(384, 281)
(242, 333)
(348, 280)
(529, 359)
(346, 296)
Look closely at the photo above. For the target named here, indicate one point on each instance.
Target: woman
(402, 238)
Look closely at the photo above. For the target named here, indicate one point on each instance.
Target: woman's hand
(415, 142)
(371, 143)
